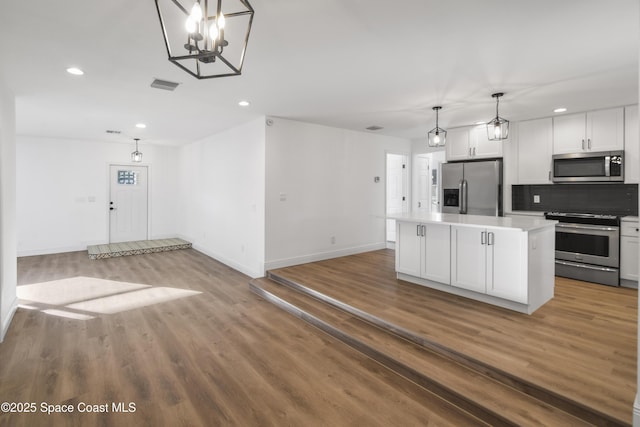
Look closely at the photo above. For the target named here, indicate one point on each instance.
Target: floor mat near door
(136, 248)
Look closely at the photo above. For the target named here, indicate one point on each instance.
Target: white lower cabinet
(468, 258)
(422, 250)
(629, 250)
(490, 261)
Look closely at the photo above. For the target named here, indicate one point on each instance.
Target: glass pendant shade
(136, 156)
(498, 128)
(437, 137)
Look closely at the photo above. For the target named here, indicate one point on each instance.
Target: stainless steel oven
(588, 247)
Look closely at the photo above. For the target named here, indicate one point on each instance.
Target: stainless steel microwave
(603, 166)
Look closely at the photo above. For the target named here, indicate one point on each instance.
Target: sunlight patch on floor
(131, 300)
(74, 289)
(82, 298)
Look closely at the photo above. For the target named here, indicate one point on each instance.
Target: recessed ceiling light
(560, 110)
(244, 103)
(75, 71)
(141, 126)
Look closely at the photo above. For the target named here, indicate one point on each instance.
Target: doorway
(397, 191)
(128, 203)
(427, 186)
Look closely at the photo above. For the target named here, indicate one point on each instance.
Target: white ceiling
(342, 63)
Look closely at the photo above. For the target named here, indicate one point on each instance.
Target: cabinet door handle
(549, 175)
(483, 237)
(469, 151)
(583, 144)
(490, 239)
(589, 143)
(418, 230)
(424, 230)
(474, 151)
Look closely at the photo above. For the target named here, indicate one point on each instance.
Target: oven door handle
(587, 266)
(586, 227)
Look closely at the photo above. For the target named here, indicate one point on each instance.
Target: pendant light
(136, 156)
(216, 35)
(437, 136)
(498, 128)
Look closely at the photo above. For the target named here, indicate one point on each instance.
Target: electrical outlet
(536, 198)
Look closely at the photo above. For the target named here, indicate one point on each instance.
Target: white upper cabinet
(457, 144)
(601, 130)
(481, 145)
(631, 145)
(471, 143)
(535, 146)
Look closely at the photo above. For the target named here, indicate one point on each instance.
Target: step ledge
(388, 362)
(547, 396)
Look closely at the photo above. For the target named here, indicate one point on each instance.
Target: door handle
(490, 238)
(418, 230)
(463, 197)
(112, 208)
(483, 237)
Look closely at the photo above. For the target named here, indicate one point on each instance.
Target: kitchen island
(504, 261)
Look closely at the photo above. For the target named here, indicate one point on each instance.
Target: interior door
(128, 203)
(424, 184)
(397, 189)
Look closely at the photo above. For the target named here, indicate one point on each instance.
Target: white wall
(319, 185)
(222, 196)
(8, 266)
(58, 178)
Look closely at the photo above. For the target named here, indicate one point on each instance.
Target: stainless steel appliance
(472, 188)
(604, 166)
(588, 247)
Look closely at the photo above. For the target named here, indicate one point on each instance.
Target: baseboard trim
(251, 272)
(321, 256)
(6, 322)
(636, 411)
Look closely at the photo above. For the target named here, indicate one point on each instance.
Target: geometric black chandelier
(498, 128)
(206, 38)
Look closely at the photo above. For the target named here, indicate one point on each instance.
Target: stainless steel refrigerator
(473, 188)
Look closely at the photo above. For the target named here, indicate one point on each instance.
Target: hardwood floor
(582, 344)
(222, 357)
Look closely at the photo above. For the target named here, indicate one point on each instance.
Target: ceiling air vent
(117, 132)
(375, 127)
(164, 84)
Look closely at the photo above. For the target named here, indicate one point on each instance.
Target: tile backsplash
(612, 199)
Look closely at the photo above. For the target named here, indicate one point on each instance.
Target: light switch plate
(536, 198)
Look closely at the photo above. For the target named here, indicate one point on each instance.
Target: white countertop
(516, 222)
(630, 218)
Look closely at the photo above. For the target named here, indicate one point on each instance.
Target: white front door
(128, 203)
